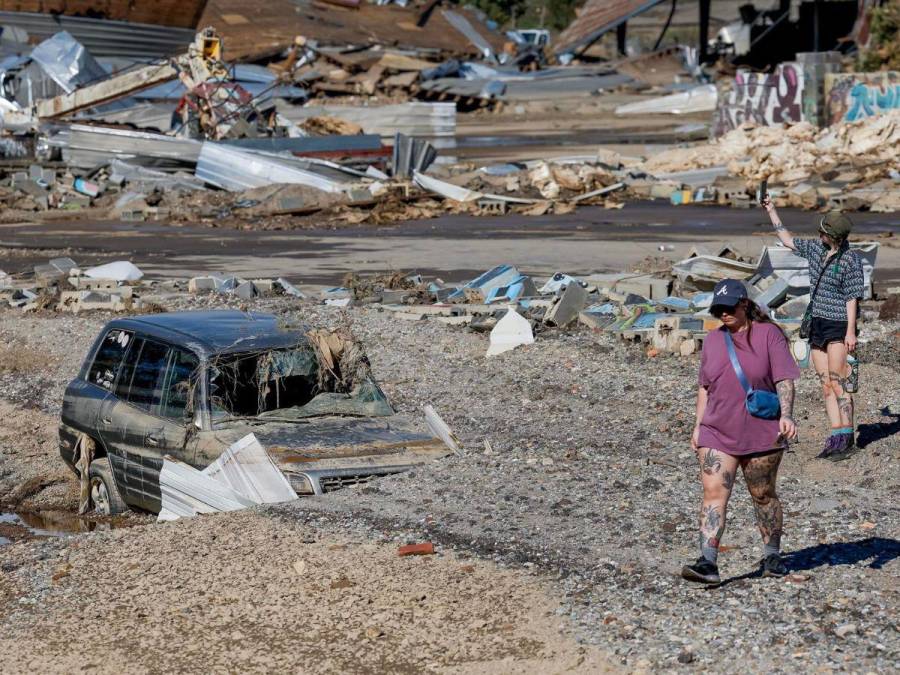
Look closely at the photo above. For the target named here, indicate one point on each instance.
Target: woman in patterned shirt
(835, 309)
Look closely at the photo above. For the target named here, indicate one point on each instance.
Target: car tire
(104, 494)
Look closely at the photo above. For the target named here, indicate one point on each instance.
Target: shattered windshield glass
(293, 384)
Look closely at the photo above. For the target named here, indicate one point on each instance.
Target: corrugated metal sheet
(105, 38)
(462, 24)
(566, 85)
(304, 144)
(86, 147)
(242, 476)
(596, 18)
(428, 120)
(140, 115)
(236, 170)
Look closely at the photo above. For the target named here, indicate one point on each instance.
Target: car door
(84, 397)
(144, 421)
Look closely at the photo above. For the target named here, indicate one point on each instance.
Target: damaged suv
(190, 384)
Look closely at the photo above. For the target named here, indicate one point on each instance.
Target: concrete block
(246, 290)
(202, 284)
(566, 309)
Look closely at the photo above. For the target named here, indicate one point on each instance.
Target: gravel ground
(576, 465)
(206, 600)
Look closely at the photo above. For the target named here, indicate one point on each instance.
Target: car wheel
(104, 493)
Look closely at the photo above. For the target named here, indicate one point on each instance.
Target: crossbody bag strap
(735, 363)
(837, 261)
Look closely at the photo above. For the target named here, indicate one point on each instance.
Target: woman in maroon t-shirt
(727, 436)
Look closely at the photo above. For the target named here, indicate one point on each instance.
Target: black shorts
(822, 332)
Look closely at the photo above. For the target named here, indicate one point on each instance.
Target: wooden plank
(104, 91)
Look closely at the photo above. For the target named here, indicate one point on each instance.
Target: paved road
(453, 247)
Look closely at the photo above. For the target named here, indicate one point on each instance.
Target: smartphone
(763, 191)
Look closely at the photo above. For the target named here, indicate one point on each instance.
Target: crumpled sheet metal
(237, 170)
(461, 194)
(88, 147)
(67, 62)
(462, 24)
(242, 476)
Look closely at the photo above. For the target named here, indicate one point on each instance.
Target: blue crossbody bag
(762, 404)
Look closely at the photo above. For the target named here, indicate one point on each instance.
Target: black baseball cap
(728, 292)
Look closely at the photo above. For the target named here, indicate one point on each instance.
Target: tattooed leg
(761, 474)
(717, 471)
(820, 361)
(837, 374)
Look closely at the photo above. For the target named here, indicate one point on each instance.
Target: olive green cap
(836, 225)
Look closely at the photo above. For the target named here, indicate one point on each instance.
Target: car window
(178, 390)
(123, 384)
(149, 374)
(108, 360)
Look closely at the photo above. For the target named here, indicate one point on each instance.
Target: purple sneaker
(831, 444)
(845, 447)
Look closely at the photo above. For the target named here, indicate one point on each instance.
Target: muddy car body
(190, 384)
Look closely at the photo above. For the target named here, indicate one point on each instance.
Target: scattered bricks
(416, 549)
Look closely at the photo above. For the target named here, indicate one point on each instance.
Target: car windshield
(290, 384)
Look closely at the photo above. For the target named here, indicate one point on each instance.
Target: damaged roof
(259, 30)
(596, 18)
(215, 332)
(173, 13)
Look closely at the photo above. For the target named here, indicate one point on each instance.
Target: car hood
(337, 442)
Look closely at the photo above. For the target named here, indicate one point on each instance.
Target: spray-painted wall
(762, 99)
(855, 96)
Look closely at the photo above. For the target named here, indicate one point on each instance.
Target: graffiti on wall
(855, 96)
(762, 99)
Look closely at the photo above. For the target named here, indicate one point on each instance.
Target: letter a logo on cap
(723, 290)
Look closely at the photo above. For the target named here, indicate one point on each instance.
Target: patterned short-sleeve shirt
(843, 279)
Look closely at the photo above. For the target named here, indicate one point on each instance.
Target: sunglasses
(718, 310)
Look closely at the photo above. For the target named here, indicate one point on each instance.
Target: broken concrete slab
(566, 309)
(769, 292)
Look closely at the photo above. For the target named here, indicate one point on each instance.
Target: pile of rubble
(849, 166)
(119, 286)
(667, 310)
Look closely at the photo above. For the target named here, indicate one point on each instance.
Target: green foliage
(883, 52)
(550, 14)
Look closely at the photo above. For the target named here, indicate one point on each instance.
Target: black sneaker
(702, 571)
(773, 566)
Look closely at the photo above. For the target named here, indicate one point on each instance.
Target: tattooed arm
(780, 230)
(786, 425)
(702, 395)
